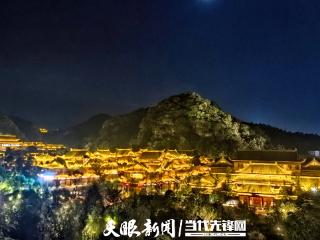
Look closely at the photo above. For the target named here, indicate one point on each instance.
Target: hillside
(121, 131)
(7, 126)
(185, 121)
(78, 135)
(284, 139)
(29, 130)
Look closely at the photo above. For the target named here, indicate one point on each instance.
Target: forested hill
(284, 139)
(185, 121)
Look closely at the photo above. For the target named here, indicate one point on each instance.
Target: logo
(180, 228)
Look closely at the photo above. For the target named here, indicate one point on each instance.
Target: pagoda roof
(262, 189)
(123, 151)
(76, 153)
(222, 161)
(103, 151)
(173, 152)
(207, 180)
(310, 172)
(187, 152)
(8, 137)
(268, 155)
(264, 169)
(311, 163)
(151, 155)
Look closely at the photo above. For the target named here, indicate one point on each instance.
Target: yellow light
(43, 130)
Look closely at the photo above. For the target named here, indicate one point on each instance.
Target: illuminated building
(12, 142)
(43, 130)
(9, 141)
(310, 174)
(258, 178)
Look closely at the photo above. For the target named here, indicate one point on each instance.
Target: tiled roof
(271, 155)
(151, 155)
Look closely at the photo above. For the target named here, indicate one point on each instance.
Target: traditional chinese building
(13, 142)
(9, 141)
(260, 177)
(310, 174)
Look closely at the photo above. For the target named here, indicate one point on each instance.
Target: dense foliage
(31, 210)
(185, 121)
(284, 139)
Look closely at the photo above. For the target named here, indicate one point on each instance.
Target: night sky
(62, 61)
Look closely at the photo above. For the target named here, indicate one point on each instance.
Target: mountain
(7, 126)
(80, 134)
(20, 127)
(283, 139)
(28, 128)
(121, 131)
(185, 121)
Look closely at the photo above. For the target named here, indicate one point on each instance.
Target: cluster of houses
(256, 177)
(13, 142)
